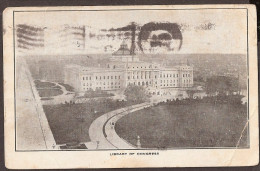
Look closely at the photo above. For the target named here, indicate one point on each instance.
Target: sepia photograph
(147, 79)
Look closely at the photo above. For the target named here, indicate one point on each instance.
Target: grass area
(95, 94)
(67, 87)
(46, 98)
(70, 122)
(211, 122)
(49, 92)
(40, 84)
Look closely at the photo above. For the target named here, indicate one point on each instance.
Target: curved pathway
(62, 98)
(101, 130)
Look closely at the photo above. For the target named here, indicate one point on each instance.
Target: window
(183, 75)
(83, 78)
(177, 75)
(100, 77)
(115, 77)
(128, 77)
(155, 76)
(89, 78)
(107, 77)
(104, 77)
(96, 77)
(86, 78)
(118, 77)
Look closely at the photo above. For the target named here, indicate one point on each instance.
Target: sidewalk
(112, 141)
(33, 131)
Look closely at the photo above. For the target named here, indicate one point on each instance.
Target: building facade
(125, 69)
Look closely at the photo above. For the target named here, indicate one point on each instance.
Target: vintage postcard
(130, 86)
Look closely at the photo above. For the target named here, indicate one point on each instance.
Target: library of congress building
(125, 69)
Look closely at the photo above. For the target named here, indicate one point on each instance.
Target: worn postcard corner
(130, 86)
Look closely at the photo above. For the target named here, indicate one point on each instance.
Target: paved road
(102, 131)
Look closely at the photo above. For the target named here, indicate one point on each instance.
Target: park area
(70, 122)
(47, 89)
(208, 122)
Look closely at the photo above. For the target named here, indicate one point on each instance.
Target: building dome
(122, 51)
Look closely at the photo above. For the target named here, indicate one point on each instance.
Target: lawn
(67, 87)
(40, 84)
(96, 94)
(70, 122)
(49, 92)
(194, 123)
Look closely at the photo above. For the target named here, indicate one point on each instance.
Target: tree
(221, 85)
(136, 94)
(191, 92)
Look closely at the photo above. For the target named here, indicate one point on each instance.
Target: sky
(229, 35)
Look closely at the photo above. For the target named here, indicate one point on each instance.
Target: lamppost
(97, 145)
(138, 142)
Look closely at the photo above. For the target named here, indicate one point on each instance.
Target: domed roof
(122, 51)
